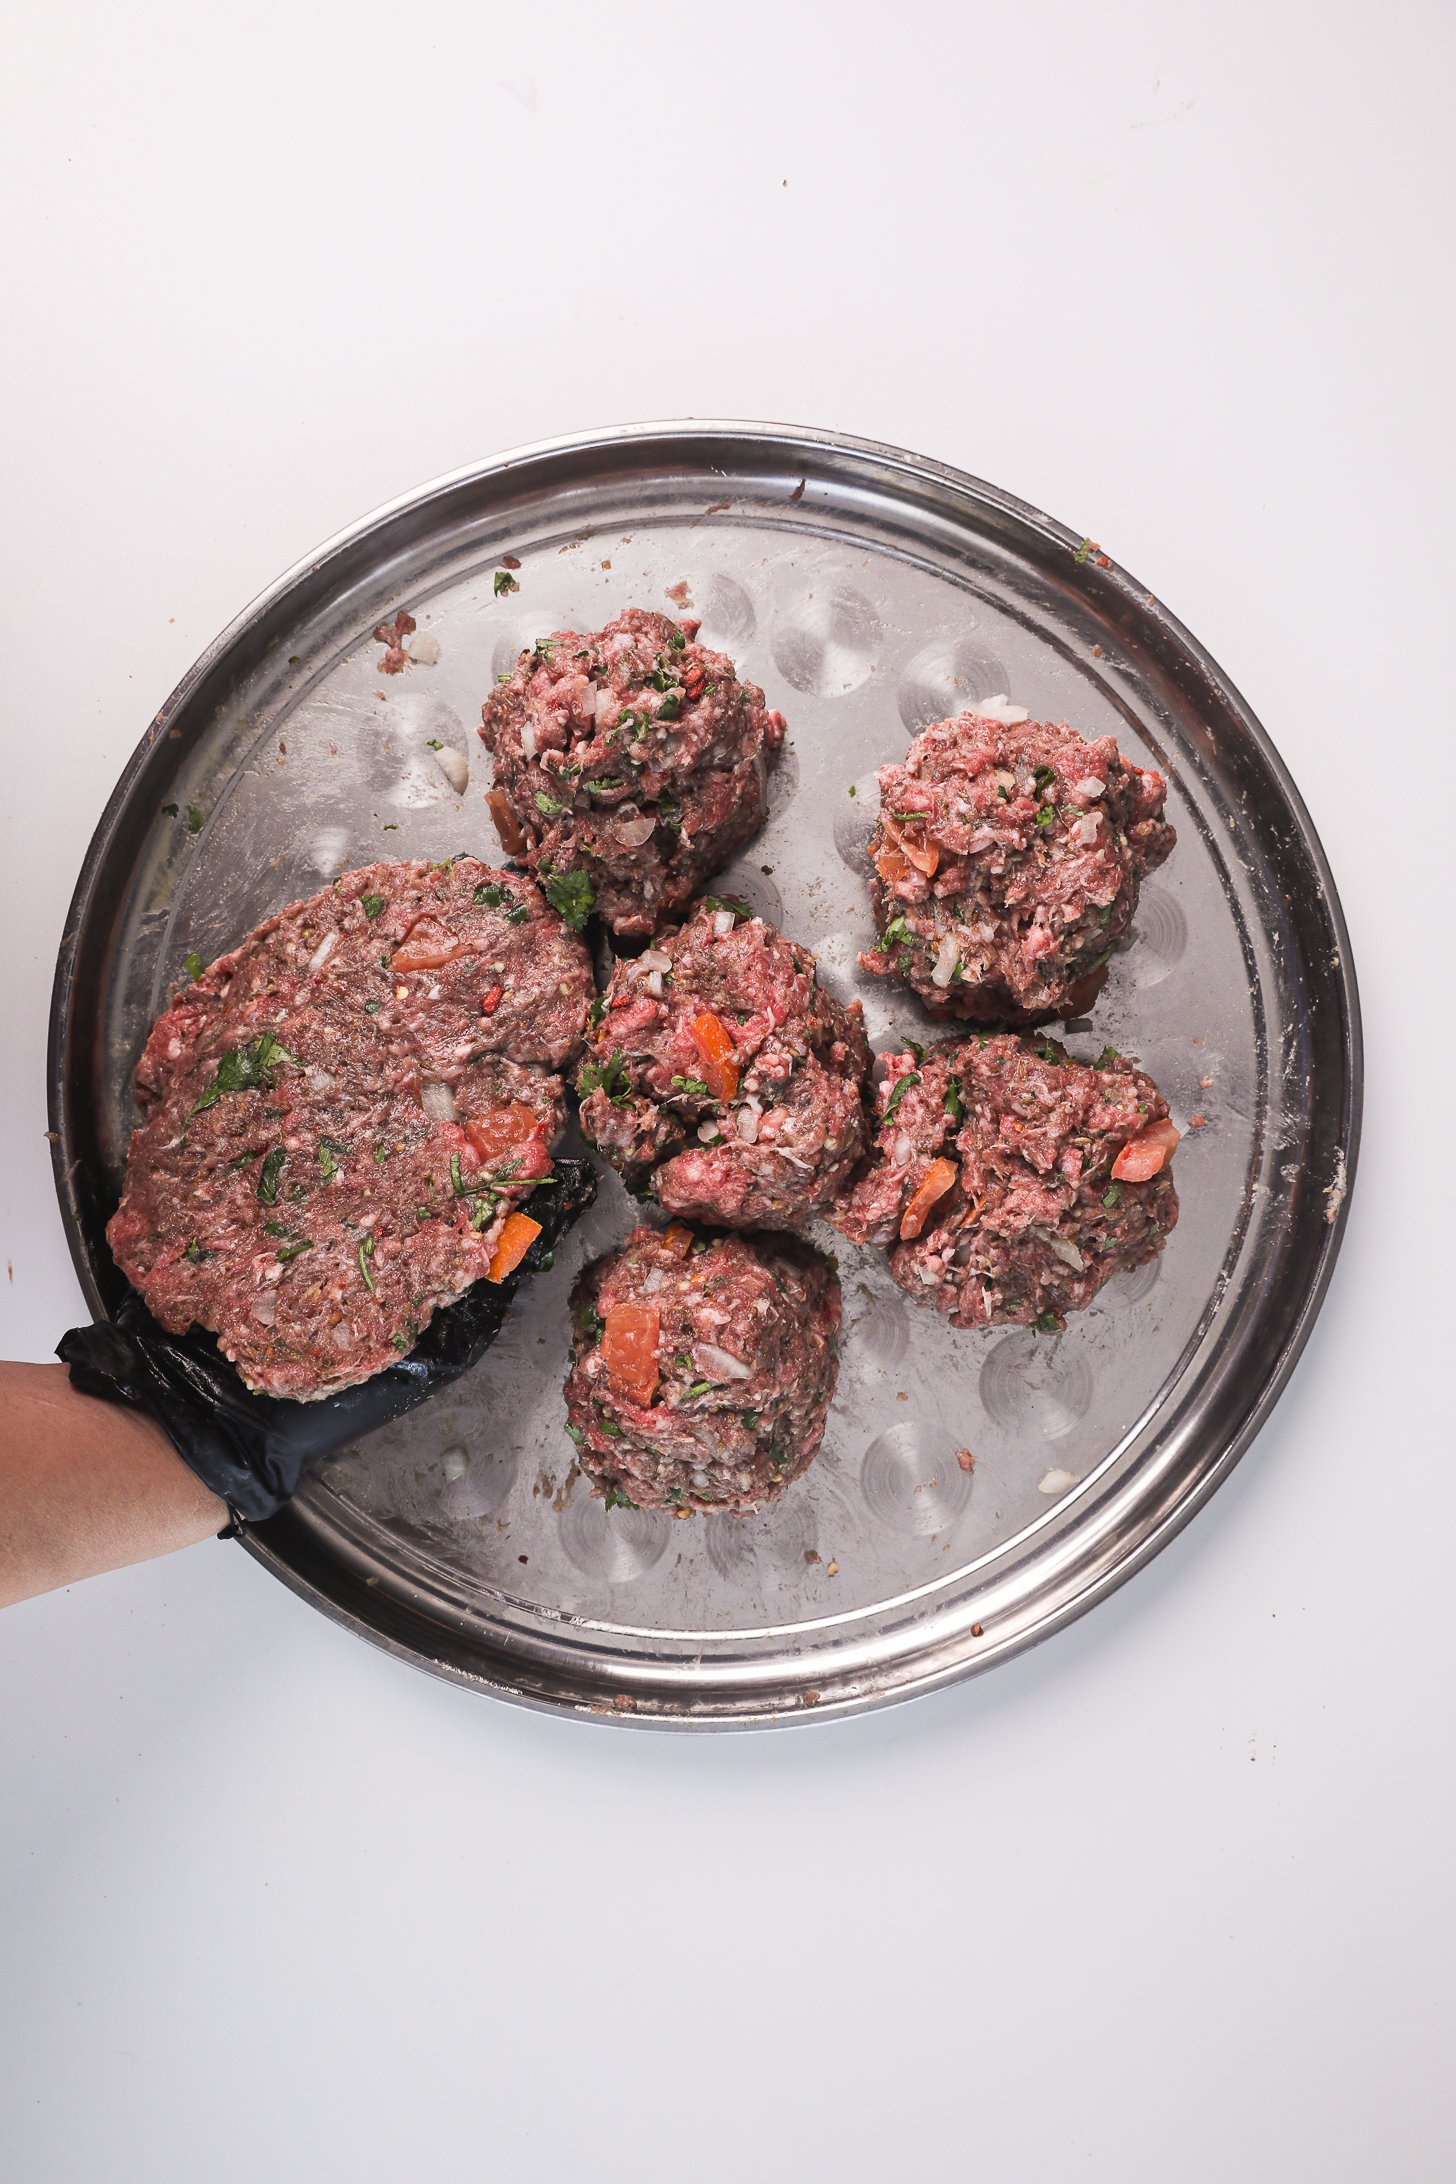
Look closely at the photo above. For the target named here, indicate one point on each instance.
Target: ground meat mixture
(630, 764)
(722, 1072)
(342, 1118)
(1010, 1181)
(702, 1369)
(1006, 864)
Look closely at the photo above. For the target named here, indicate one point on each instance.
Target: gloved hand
(252, 1450)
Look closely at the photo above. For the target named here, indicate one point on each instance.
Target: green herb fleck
(1041, 775)
(268, 1176)
(197, 1254)
(544, 647)
(955, 1105)
(381, 1154)
(489, 896)
(366, 1253)
(853, 790)
(250, 1068)
(1107, 1059)
(570, 895)
(1112, 1197)
(371, 905)
(734, 903)
(1082, 552)
(616, 1499)
(575, 1432)
(699, 1387)
(896, 930)
(671, 706)
(504, 582)
(677, 641)
(433, 743)
(1049, 1054)
(1045, 816)
(597, 1011)
(194, 819)
(292, 1251)
(330, 1153)
(609, 1077)
(915, 1048)
(1045, 1323)
(604, 785)
(371, 1008)
(750, 1418)
(547, 805)
(192, 965)
(902, 1086)
(590, 1322)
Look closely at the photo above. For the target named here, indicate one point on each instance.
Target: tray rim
(769, 436)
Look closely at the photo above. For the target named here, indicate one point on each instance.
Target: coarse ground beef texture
(343, 1117)
(1010, 1181)
(722, 1073)
(630, 764)
(1005, 865)
(702, 1369)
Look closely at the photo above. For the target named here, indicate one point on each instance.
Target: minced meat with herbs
(630, 764)
(343, 1116)
(721, 1072)
(702, 1369)
(1005, 865)
(1010, 1181)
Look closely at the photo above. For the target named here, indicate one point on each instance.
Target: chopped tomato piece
(502, 1129)
(489, 1001)
(893, 866)
(629, 1348)
(427, 946)
(934, 1184)
(507, 826)
(714, 1042)
(679, 1240)
(1145, 1154)
(910, 837)
(518, 1233)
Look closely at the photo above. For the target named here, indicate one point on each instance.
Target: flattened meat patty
(702, 1369)
(723, 1072)
(1010, 1182)
(1005, 865)
(630, 763)
(342, 1118)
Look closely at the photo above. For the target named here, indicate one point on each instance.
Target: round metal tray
(869, 591)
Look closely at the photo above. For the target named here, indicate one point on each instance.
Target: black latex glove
(252, 1450)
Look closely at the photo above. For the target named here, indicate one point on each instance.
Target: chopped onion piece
(723, 923)
(1087, 829)
(1055, 1482)
(438, 1102)
(708, 1133)
(1060, 1248)
(323, 951)
(452, 1463)
(1089, 788)
(586, 703)
(746, 1123)
(947, 955)
(528, 736)
(633, 827)
(424, 649)
(902, 1151)
(999, 708)
(265, 1308)
(654, 959)
(653, 984)
(722, 1362)
(454, 766)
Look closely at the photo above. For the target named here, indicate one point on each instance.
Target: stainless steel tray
(869, 591)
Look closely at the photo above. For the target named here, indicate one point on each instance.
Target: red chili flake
(488, 1000)
(798, 492)
(680, 592)
(1097, 652)
(716, 508)
(977, 1631)
(809, 1698)
(1198, 1122)
(392, 636)
(510, 561)
(965, 1459)
(693, 682)
(1204, 1083)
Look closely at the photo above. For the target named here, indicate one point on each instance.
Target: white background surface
(1169, 1898)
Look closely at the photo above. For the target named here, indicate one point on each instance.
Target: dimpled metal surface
(870, 592)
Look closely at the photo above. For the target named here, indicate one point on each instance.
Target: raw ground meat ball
(1006, 863)
(342, 1117)
(721, 1071)
(630, 764)
(1010, 1181)
(702, 1369)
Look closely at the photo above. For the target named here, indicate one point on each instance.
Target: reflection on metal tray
(869, 592)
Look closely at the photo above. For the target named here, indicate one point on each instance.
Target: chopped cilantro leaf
(371, 1008)
(194, 819)
(902, 1086)
(896, 930)
(490, 896)
(371, 905)
(699, 1387)
(694, 1087)
(291, 1251)
(1045, 1323)
(955, 1105)
(547, 805)
(433, 743)
(1112, 1197)
(1107, 1059)
(1046, 815)
(575, 1432)
(1082, 552)
(330, 1152)
(544, 647)
(250, 1068)
(616, 1499)
(570, 895)
(192, 965)
(677, 641)
(609, 1077)
(504, 582)
(268, 1176)
(366, 1253)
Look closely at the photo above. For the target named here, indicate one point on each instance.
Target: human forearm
(86, 1486)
